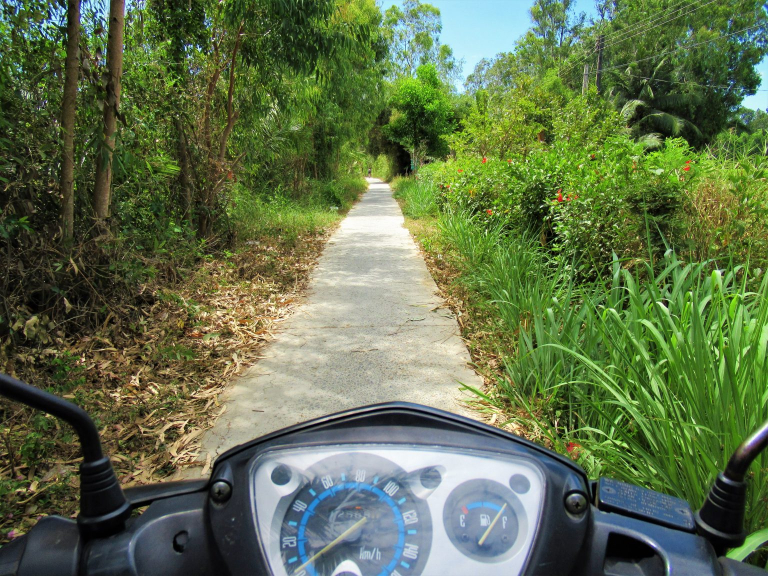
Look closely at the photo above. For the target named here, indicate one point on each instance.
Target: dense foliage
(167, 173)
(639, 363)
(600, 188)
(213, 102)
(610, 233)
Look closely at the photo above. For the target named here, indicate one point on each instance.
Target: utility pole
(599, 76)
(585, 82)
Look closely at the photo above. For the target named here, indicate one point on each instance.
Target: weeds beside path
(151, 375)
(652, 372)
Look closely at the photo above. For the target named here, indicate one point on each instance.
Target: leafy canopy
(422, 114)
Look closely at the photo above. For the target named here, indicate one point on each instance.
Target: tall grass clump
(653, 375)
(473, 238)
(289, 216)
(419, 198)
(657, 377)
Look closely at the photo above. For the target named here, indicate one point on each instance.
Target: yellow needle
(488, 531)
(341, 537)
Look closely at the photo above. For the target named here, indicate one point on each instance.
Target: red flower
(573, 448)
(591, 156)
(686, 168)
(485, 159)
(509, 161)
(460, 170)
(490, 212)
(560, 195)
(687, 161)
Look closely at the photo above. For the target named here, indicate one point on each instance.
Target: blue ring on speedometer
(356, 509)
(357, 487)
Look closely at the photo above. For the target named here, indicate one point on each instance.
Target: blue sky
(478, 29)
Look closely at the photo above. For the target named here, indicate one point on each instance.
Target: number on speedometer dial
(355, 516)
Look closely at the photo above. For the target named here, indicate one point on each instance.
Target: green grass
(255, 216)
(658, 373)
(419, 198)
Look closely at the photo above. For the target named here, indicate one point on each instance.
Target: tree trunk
(216, 163)
(185, 175)
(103, 185)
(599, 75)
(68, 110)
(210, 91)
(231, 114)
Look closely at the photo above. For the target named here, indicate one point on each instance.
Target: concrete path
(371, 330)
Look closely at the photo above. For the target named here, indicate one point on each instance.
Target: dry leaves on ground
(153, 384)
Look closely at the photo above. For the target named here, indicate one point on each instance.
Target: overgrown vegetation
(168, 175)
(152, 375)
(605, 234)
(622, 338)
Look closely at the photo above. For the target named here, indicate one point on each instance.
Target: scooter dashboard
(395, 510)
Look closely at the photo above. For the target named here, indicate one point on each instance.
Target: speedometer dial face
(355, 516)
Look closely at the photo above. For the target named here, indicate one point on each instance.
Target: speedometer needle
(341, 537)
(488, 531)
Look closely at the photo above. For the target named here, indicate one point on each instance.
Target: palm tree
(650, 107)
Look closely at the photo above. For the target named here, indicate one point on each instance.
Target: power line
(642, 24)
(639, 28)
(659, 24)
(687, 47)
(611, 37)
(581, 60)
(686, 83)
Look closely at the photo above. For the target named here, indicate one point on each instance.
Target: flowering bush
(585, 204)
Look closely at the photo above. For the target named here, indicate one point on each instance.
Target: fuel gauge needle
(341, 537)
(488, 531)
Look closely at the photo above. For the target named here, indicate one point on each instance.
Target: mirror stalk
(103, 506)
(721, 518)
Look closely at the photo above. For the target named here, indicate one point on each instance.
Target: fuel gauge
(485, 520)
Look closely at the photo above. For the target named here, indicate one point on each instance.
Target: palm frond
(651, 141)
(657, 69)
(677, 100)
(646, 92)
(664, 122)
(630, 108)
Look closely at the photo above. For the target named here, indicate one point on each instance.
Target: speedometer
(355, 515)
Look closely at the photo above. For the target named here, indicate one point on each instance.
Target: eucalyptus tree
(314, 124)
(180, 31)
(102, 188)
(68, 113)
(31, 75)
(244, 73)
(551, 39)
(414, 35)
